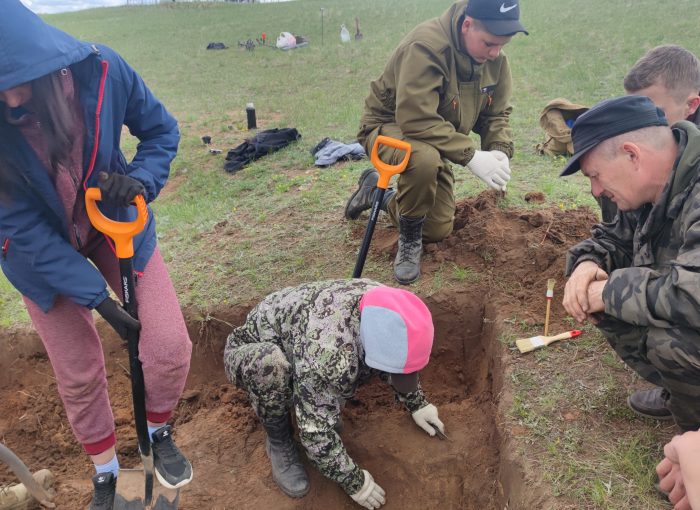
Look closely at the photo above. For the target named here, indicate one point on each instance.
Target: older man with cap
(638, 278)
(309, 348)
(446, 78)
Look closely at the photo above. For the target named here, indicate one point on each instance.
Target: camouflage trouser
(669, 358)
(264, 372)
(425, 188)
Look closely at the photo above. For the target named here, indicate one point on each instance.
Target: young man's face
(616, 179)
(16, 96)
(674, 109)
(480, 44)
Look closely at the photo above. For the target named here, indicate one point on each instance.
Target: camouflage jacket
(436, 94)
(317, 326)
(652, 254)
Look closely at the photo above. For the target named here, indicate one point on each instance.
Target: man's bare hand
(595, 297)
(679, 471)
(577, 295)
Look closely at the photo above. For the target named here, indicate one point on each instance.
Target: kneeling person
(310, 347)
(637, 278)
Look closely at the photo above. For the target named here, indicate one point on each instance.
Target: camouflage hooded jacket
(652, 254)
(317, 326)
(435, 92)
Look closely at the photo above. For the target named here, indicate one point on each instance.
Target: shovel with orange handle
(123, 233)
(386, 171)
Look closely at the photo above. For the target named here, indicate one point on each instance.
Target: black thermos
(250, 112)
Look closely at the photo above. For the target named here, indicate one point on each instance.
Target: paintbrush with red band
(536, 342)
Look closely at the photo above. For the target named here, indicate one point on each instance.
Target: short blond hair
(669, 65)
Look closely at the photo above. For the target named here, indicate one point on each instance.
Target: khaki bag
(553, 120)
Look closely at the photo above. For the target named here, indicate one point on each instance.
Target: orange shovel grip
(385, 170)
(121, 232)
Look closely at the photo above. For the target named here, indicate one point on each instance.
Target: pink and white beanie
(396, 329)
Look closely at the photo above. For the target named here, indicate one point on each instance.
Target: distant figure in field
(446, 78)
(670, 76)
(637, 278)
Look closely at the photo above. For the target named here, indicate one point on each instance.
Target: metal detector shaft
(362, 256)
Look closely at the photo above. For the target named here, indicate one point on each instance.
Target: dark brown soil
(512, 251)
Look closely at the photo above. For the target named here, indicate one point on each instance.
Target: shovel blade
(130, 493)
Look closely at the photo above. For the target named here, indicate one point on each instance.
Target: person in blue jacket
(63, 104)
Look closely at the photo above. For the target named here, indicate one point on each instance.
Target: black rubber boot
(287, 470)
(407, 263)
(650, 404)
(361, 199)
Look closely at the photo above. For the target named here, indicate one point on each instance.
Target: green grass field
(282, 217)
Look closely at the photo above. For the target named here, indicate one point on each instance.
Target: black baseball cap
(610, 118)
(500, 17)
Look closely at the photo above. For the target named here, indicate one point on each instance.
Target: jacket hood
(451, 21)
(29, 48)
(688, 136)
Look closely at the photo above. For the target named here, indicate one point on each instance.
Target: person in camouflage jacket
(445, 79)
(309, 348)
(637, 278)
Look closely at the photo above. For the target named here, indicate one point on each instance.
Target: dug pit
(219, 432)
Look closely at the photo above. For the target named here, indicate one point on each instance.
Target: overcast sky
(52, 6)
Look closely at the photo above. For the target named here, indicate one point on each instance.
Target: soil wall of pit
(217, 429)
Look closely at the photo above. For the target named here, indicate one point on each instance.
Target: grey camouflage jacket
(652, 254)
(317, 326)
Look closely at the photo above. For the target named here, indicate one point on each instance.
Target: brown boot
(650, 404)
(361, 199)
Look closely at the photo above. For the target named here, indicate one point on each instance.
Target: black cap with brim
(501, 18)
(405, 383)
(610, 118)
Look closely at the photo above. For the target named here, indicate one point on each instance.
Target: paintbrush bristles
(551, 283)
(525, 345)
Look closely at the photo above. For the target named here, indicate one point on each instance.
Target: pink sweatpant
(74, 348)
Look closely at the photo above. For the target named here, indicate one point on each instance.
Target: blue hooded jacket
(37, 255)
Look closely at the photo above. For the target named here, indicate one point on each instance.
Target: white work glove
(370, 495)
(491, 168)
(427, 417)
(501, 156)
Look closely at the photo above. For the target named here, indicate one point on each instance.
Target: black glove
(119, 189)
(117, 317)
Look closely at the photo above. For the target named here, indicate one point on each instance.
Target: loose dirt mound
(512, 251)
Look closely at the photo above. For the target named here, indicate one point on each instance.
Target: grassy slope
(232, 238)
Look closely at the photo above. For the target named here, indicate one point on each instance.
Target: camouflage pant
(264, 372)
(669, 358)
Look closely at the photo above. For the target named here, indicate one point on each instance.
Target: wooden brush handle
(561, 336)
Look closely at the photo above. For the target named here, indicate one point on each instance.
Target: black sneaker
(650, 404)
(105, 489)
(173, 470)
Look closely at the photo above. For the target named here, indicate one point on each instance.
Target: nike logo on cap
(509, 8)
